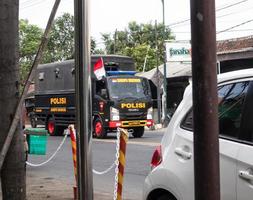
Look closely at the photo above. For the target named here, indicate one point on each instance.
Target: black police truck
(119, 99)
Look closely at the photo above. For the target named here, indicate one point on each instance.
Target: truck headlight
(150, 113)
(114, 114)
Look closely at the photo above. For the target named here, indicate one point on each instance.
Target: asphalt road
(138, 156)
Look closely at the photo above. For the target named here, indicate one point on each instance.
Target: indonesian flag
(99, 69)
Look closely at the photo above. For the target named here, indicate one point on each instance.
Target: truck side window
(101, 89)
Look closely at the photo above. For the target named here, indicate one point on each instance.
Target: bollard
(73, 144)
(122, 161)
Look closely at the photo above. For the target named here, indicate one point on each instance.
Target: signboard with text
(178, 51)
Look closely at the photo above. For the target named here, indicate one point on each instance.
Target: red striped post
(73, 144)
(122, 161)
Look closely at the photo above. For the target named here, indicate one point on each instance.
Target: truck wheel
(138, 132)
(54, 130)
(99, 130)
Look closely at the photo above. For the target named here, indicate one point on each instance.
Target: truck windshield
(135, 87)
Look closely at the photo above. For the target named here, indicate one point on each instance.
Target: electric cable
(219, 9)
(232, 27)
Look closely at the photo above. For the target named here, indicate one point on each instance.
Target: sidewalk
(51, 189)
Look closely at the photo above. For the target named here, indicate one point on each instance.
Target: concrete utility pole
(83, 100)
(13, 170)
(157, 78)
(205, 100)
(164, 68)
(115, 42)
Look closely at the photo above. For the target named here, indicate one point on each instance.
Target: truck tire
(138, 132)
(54, 130)
(99, 130)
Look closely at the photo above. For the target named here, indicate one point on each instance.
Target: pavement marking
(153, 144)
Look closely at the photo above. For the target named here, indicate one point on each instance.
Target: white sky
(109, 15)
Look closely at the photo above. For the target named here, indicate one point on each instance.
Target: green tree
(138, 41)
(60, 45)
(61, 40)
(94, 49)
(29, 40)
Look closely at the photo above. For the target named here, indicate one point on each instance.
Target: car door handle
(246, 175)
(182, 153)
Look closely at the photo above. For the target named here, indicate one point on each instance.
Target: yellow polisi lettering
(58, 101)
(133, 105)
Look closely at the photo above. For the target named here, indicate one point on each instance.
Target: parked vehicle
(172, 177)
(120, 99)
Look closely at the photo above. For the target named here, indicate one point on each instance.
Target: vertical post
(122, 161)
(115, 42)
(157, 77)
(13, 182)
(83, 100)
(206, 146)
(164, 67)
(72, 133)
(145, 60)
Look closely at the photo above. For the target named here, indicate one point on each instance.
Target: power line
(231, 5)
(232, 27)
(221, 16)
(32, 4)
(26, 2)
(219, 9)
(237, 30)
(236, 12)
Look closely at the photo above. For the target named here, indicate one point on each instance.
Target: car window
(246, 132)
(231, 100)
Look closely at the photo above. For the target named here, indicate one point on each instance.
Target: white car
(172, 176)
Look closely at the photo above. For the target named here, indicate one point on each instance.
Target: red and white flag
(99, 69)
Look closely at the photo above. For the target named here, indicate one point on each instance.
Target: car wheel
(138, 132)
(99, 130)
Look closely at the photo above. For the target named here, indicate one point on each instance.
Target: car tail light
(157, 157)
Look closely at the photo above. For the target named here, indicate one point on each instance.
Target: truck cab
(121, 100)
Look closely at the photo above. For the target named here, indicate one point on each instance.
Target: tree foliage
(61, 41)
(60, 45)
(29, 40)
(139, 42)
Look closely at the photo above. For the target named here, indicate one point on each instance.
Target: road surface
(57, 176)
